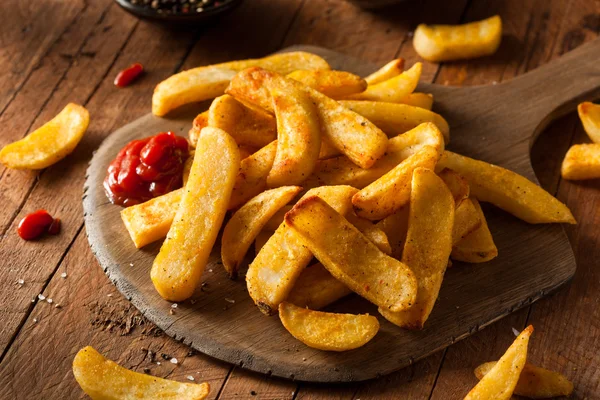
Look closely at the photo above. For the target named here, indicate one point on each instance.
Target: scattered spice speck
(253, 393)
(146, 370)
(173, 361)
(171, 312)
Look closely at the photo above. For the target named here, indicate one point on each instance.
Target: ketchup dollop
(146, 168)
(34, 225)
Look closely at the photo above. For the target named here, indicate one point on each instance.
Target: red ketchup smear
(146, 168)
(34, 225)
(128, 75)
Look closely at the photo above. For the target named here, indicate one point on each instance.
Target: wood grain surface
(36, 357)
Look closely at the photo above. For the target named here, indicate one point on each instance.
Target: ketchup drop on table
(34, 225)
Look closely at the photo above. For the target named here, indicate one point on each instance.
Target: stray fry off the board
(501, 380)
(177, 268)
(589, 114)
(582, 161)
(328, 331)
(102, 379)
(453, 42)
(50, 143)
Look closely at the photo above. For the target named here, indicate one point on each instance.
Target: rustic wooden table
(53, 52)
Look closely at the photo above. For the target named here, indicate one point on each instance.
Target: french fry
(417, 99)
(589, 114)
(334, 84)
(371, 231)
(500, 381)
(178, 267)
(582, 162)
(298, 136)
(395, 227)
(50, 143)
(261, 240)
(353, 135)
(477, 246)
(316, 288)
(388, 71)
(534, 382)
(394, 89)
(247, 125)
(248, 221)
(328, 331)
(467, 219)
(205, 83)
(277, 219)
(453, 42)
(508, 190)
(428, 245)
(200, 122)
(187, 166)
(274, 271)
(252, 177)
(350, 257)
(102, 379)
(341, 171)
(389, 193)
(458, 185)
(395, 119)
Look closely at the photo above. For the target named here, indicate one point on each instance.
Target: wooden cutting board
(496, 123)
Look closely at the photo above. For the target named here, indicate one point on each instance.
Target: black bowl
(208, 14)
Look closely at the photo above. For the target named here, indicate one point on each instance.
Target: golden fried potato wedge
(50, 143)
(177, 268)
(371, 231)
(395, 227)
(261, 240)
(298, 136)
(247, 125)
(277, 219)
(478, 246)
(582, 161)
(500, 381)
(428, 245)
(395, 119)
(350, 257)
(508, 190)
(352, 134)
(467, 219)
(388, 71)
(328, 331)
(454, 42)
(394, 89)
(316, 288)
(458, 185)
(102, 379)
(417, 99)
(334, 84)
(200, 122)
(274, 271)
(252, 177)
(203, 83)
(534, 382)
(389, 193)
(589, 114)
(341, 171)
(150, 221)
(248, 221)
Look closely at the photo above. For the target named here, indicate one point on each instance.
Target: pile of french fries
(314, 163)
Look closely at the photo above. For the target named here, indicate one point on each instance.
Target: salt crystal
(41, 297)
(131, 264)
(516, 332)
(173, 360)
(63, 275)
(210, 270)
(229, 300)
(158, 363)
(21, 282)
(35, 320)
(57, 305)
(109, 295)
(174, 305)
(49, 301)
(190, 378)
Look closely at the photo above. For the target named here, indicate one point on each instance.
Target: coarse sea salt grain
(49, 301)
(21, 282)
(516, 332)
(190, 378)
(174, 305)
(173, 360)
(63, 275)
(41, 297)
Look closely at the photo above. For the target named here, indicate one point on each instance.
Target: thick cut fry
(334, 84)
(247, 125)
(582, 162)
(395, 119)
(352, 134)
(200, 122)
(396, 227)
(458, 185)
(177, 268)
(500, 381)
(102, 379)
(328, 331)
(467, 219)
(388, 71)
(394, 89)
(371, 231)
(50, 143)
(316, 288)
(508, 190)
(589, 114)
(274, 271)
(204, 83)
(421, 100)
(453, 42)
(428, 245)
(261, 240)
(350, 257)
(187, 166)
(248, 221)
(389, 193)
(478, 246)
(298, 137)
(341, 171)
(534, 382)
(252, 177)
